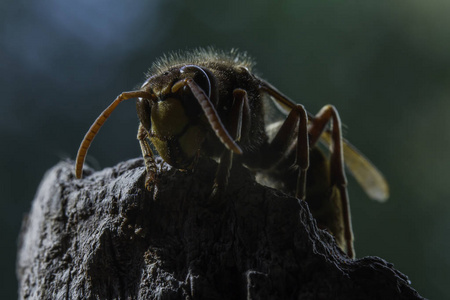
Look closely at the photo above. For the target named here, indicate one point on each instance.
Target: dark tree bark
(106, 237)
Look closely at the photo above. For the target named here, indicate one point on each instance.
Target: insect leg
(297, 117)
(337, 173)
(147, 154)
(222, 174)
(240, 112)
(281, 145)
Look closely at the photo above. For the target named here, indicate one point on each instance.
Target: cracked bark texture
(106, 237)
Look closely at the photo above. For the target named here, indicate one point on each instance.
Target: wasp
(211, 103)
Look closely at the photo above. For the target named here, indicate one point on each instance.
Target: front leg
(240, 115)
(147, 154)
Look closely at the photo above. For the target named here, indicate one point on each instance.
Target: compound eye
(144, 109)
(200, 77)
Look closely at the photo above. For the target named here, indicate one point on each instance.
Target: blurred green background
(386, 67)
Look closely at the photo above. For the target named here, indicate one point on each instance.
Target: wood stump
(106, 237)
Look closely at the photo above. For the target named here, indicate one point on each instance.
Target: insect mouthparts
(179, 84)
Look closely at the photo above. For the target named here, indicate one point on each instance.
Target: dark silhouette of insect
(209, 103)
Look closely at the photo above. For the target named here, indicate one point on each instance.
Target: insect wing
(365, 173)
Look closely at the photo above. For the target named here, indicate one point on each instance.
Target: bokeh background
(385, 66)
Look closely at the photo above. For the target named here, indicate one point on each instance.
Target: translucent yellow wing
(365, 173)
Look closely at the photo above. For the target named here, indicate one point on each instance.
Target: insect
(210, 103)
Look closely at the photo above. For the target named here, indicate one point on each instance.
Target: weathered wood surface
(105, 237)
